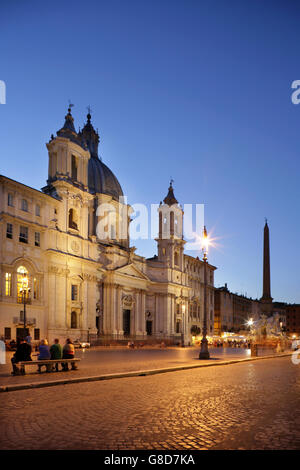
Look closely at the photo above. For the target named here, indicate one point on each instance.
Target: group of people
(232, 344)
(46, 352)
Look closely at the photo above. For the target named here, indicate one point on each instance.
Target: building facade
(233, 311)
(293, 320)
(69, 244)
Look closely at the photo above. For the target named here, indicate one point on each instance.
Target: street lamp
(204, 353)
(25, 292)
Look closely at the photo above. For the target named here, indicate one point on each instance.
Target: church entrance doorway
(149, 327)
(126, 322)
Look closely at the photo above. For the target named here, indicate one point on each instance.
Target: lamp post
(24, 291)
(204, 353)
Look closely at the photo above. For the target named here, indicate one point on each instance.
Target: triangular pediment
(132, 271)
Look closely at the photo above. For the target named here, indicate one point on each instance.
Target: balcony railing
(20, 321)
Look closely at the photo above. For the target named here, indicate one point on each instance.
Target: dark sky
(199, 91)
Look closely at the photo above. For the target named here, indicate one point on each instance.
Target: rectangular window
(36, 334)
(37, 210)
(8, 284)
(10, 200)
(24, 205)
(37, 239)
(74, 167)
(74, 293)
(9, 231)
(7, 333)
(23, 234)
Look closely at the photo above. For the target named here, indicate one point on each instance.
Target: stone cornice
(22, 187)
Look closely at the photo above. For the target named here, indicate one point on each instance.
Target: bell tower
(68, 178)
(68, 158)
(170, 237)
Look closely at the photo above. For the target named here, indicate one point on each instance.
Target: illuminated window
(22, 283)
(74, 292)
(8, 284)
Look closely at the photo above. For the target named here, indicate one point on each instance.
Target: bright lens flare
(206, 241)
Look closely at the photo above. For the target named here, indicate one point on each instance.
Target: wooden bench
(44, 362)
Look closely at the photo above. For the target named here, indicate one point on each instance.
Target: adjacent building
(233, 311)
(293, 320)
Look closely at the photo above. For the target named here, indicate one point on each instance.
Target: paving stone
(249, 406)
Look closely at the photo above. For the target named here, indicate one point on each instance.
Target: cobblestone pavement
(253, 405)
(101, 361)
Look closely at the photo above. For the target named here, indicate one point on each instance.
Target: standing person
(28, 339)
(56, 352)
(23, 353)
(44, 353)
(69, 353)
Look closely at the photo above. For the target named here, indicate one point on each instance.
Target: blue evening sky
(196, 90)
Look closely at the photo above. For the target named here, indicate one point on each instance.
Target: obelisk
(266, 300)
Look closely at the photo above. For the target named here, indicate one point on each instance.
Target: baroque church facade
(90, 284)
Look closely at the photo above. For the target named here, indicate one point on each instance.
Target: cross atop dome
(170, 198)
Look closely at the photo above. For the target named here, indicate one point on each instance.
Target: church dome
(102, 180)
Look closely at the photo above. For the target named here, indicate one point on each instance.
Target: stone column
(119, 311)
(106, 308)
(84, 312)
(157, 319)
(172, 319)
(114, 313)
(136, 313)
(143, 309)
(52, 323)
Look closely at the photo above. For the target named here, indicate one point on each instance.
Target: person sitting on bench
(56, 352)
(68, 353)
(23, 353)
(44, 354)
